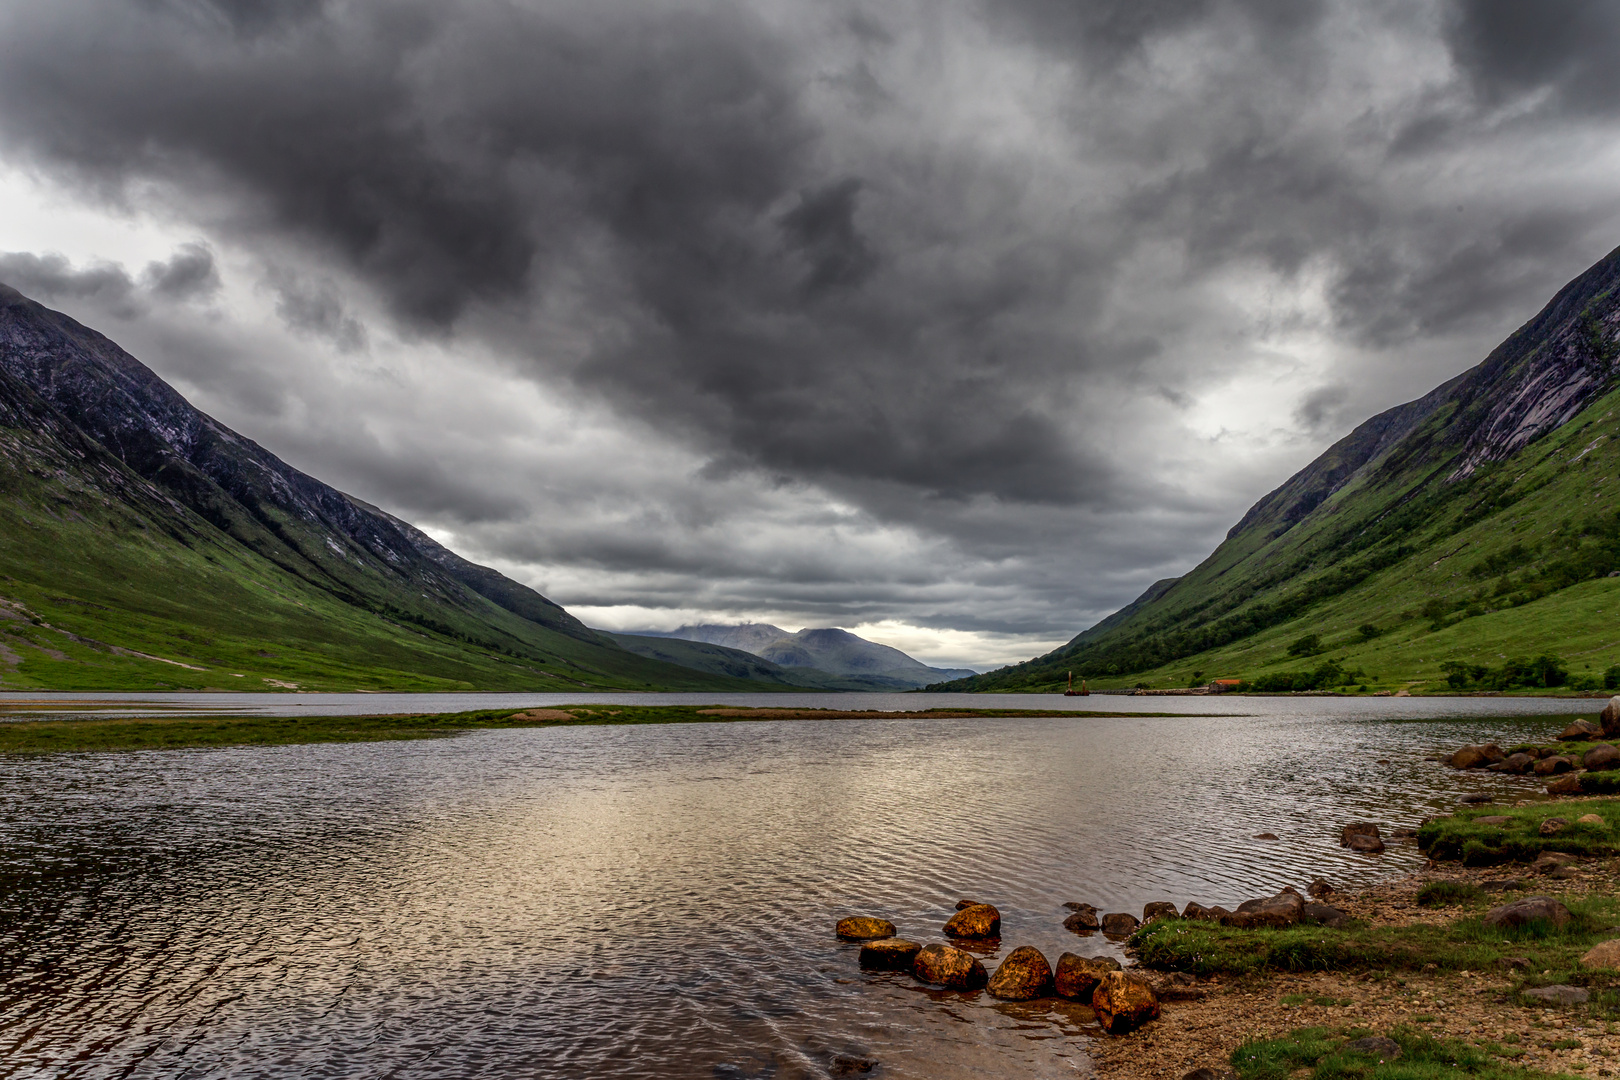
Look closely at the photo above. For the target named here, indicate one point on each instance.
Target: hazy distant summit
(836, 652)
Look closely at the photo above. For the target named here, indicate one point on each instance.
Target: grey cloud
(313, 306)
(53, 277)
(1569, 46)
(1319, 409)
(189, 274)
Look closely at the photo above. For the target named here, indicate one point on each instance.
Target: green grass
(1465, 944)
(179, 732)
(1461, 836)
(1325, 1053)
(1448, 893)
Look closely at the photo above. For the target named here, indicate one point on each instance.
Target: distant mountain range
(1444, 544)
(828, 659)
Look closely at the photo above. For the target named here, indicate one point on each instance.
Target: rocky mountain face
(87, 430)
(828, 650)
(1425, 480)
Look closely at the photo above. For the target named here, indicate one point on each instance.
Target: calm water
(654, 901)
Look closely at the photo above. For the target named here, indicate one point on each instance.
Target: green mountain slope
(145, 546)
(1430, 548)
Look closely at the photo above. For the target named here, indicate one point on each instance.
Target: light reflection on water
(651, 901)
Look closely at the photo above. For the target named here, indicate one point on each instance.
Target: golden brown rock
(1023, 976)
(1605, 954)
(1568, 784)
(1591, 819)
(1077, 976)
(890, 954)
(948, 966)
(976, 921)
(1122, 1003)
(1119, 924)
(864, 928)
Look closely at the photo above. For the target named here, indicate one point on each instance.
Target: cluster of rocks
(1284, 909)
(1122, 1000)
(1548, 761)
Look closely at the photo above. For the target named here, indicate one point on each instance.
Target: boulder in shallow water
(1581, 730)
(1319, 889)
(1159, 909)
(977, 921)
(864, 928)
(1529, 910)
(1077, 976)
(1355, 829)
(950, 967)
(1119, 924)
(1550, 766)
(1284, 909)
(1023, 976)
(1609, 718)
(1195, 910)
(1366, 845)
(889, 954)
(963, 905)
(1123, 1003)
(1568, 784)
(1084, 923)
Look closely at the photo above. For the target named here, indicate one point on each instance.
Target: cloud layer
(971, 316)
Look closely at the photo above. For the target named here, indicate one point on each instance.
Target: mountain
(830, 651)
(1444, 543)
(144, 545)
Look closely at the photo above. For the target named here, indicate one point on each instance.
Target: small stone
(1023, 976)
(1569, 784)
(1605, 954)
(1195, 910)
(1119, 924)
(950, 967)
(1084, 920)
(1514, 963)
(863, 928)
(1319, 889)
(1600, 757)
(974, 921)
(1592, 819)
(1366, 845)
(1376, 1046)
(1077, 976)
(1355, 829)
(1325, 914)
(1267, 836)
(889, 954)
(1530, 909)
(1122, 1003)
(1553, 826)
(963, 905)
(1559, 994)
(1548, 861)
(846, 1065)
(1159, 909)
(1563, 873)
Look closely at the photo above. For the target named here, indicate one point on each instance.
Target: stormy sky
(954, 323)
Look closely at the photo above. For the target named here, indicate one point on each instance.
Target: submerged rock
(864, 928)
(1514, 763)
(1077, 976)
(1023, 976)
(1530, 909)
(1119, 924)
(890, 954)
(1366, 845)
(1355, 829)
(1122, 1003)
(1084, 923)
(974, 921)
(950, 967)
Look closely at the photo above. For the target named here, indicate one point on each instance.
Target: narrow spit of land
(58, 734)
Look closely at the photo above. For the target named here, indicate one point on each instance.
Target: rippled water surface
(656, 901)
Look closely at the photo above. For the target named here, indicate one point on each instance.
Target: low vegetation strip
(178, 732)
(1490, 835)
(1320, 1053)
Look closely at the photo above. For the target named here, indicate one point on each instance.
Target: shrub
(1309, 645)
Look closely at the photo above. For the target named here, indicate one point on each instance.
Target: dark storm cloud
(964, 265)
(188, 274)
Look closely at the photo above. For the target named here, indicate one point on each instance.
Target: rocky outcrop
(1077, 976)
(863, 928)
(1119, 924)
(1529, 910)
(1023, 976)
(889, 954)
(1284, 909)
(950, 967)
(1123, 1003)
(975, 921)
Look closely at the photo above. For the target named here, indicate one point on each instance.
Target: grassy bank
(1488, 835)
(1321, 1053)
(177, 732)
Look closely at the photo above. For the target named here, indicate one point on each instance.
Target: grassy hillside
(1461, 542)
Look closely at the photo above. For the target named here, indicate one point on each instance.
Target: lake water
(657, 901)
